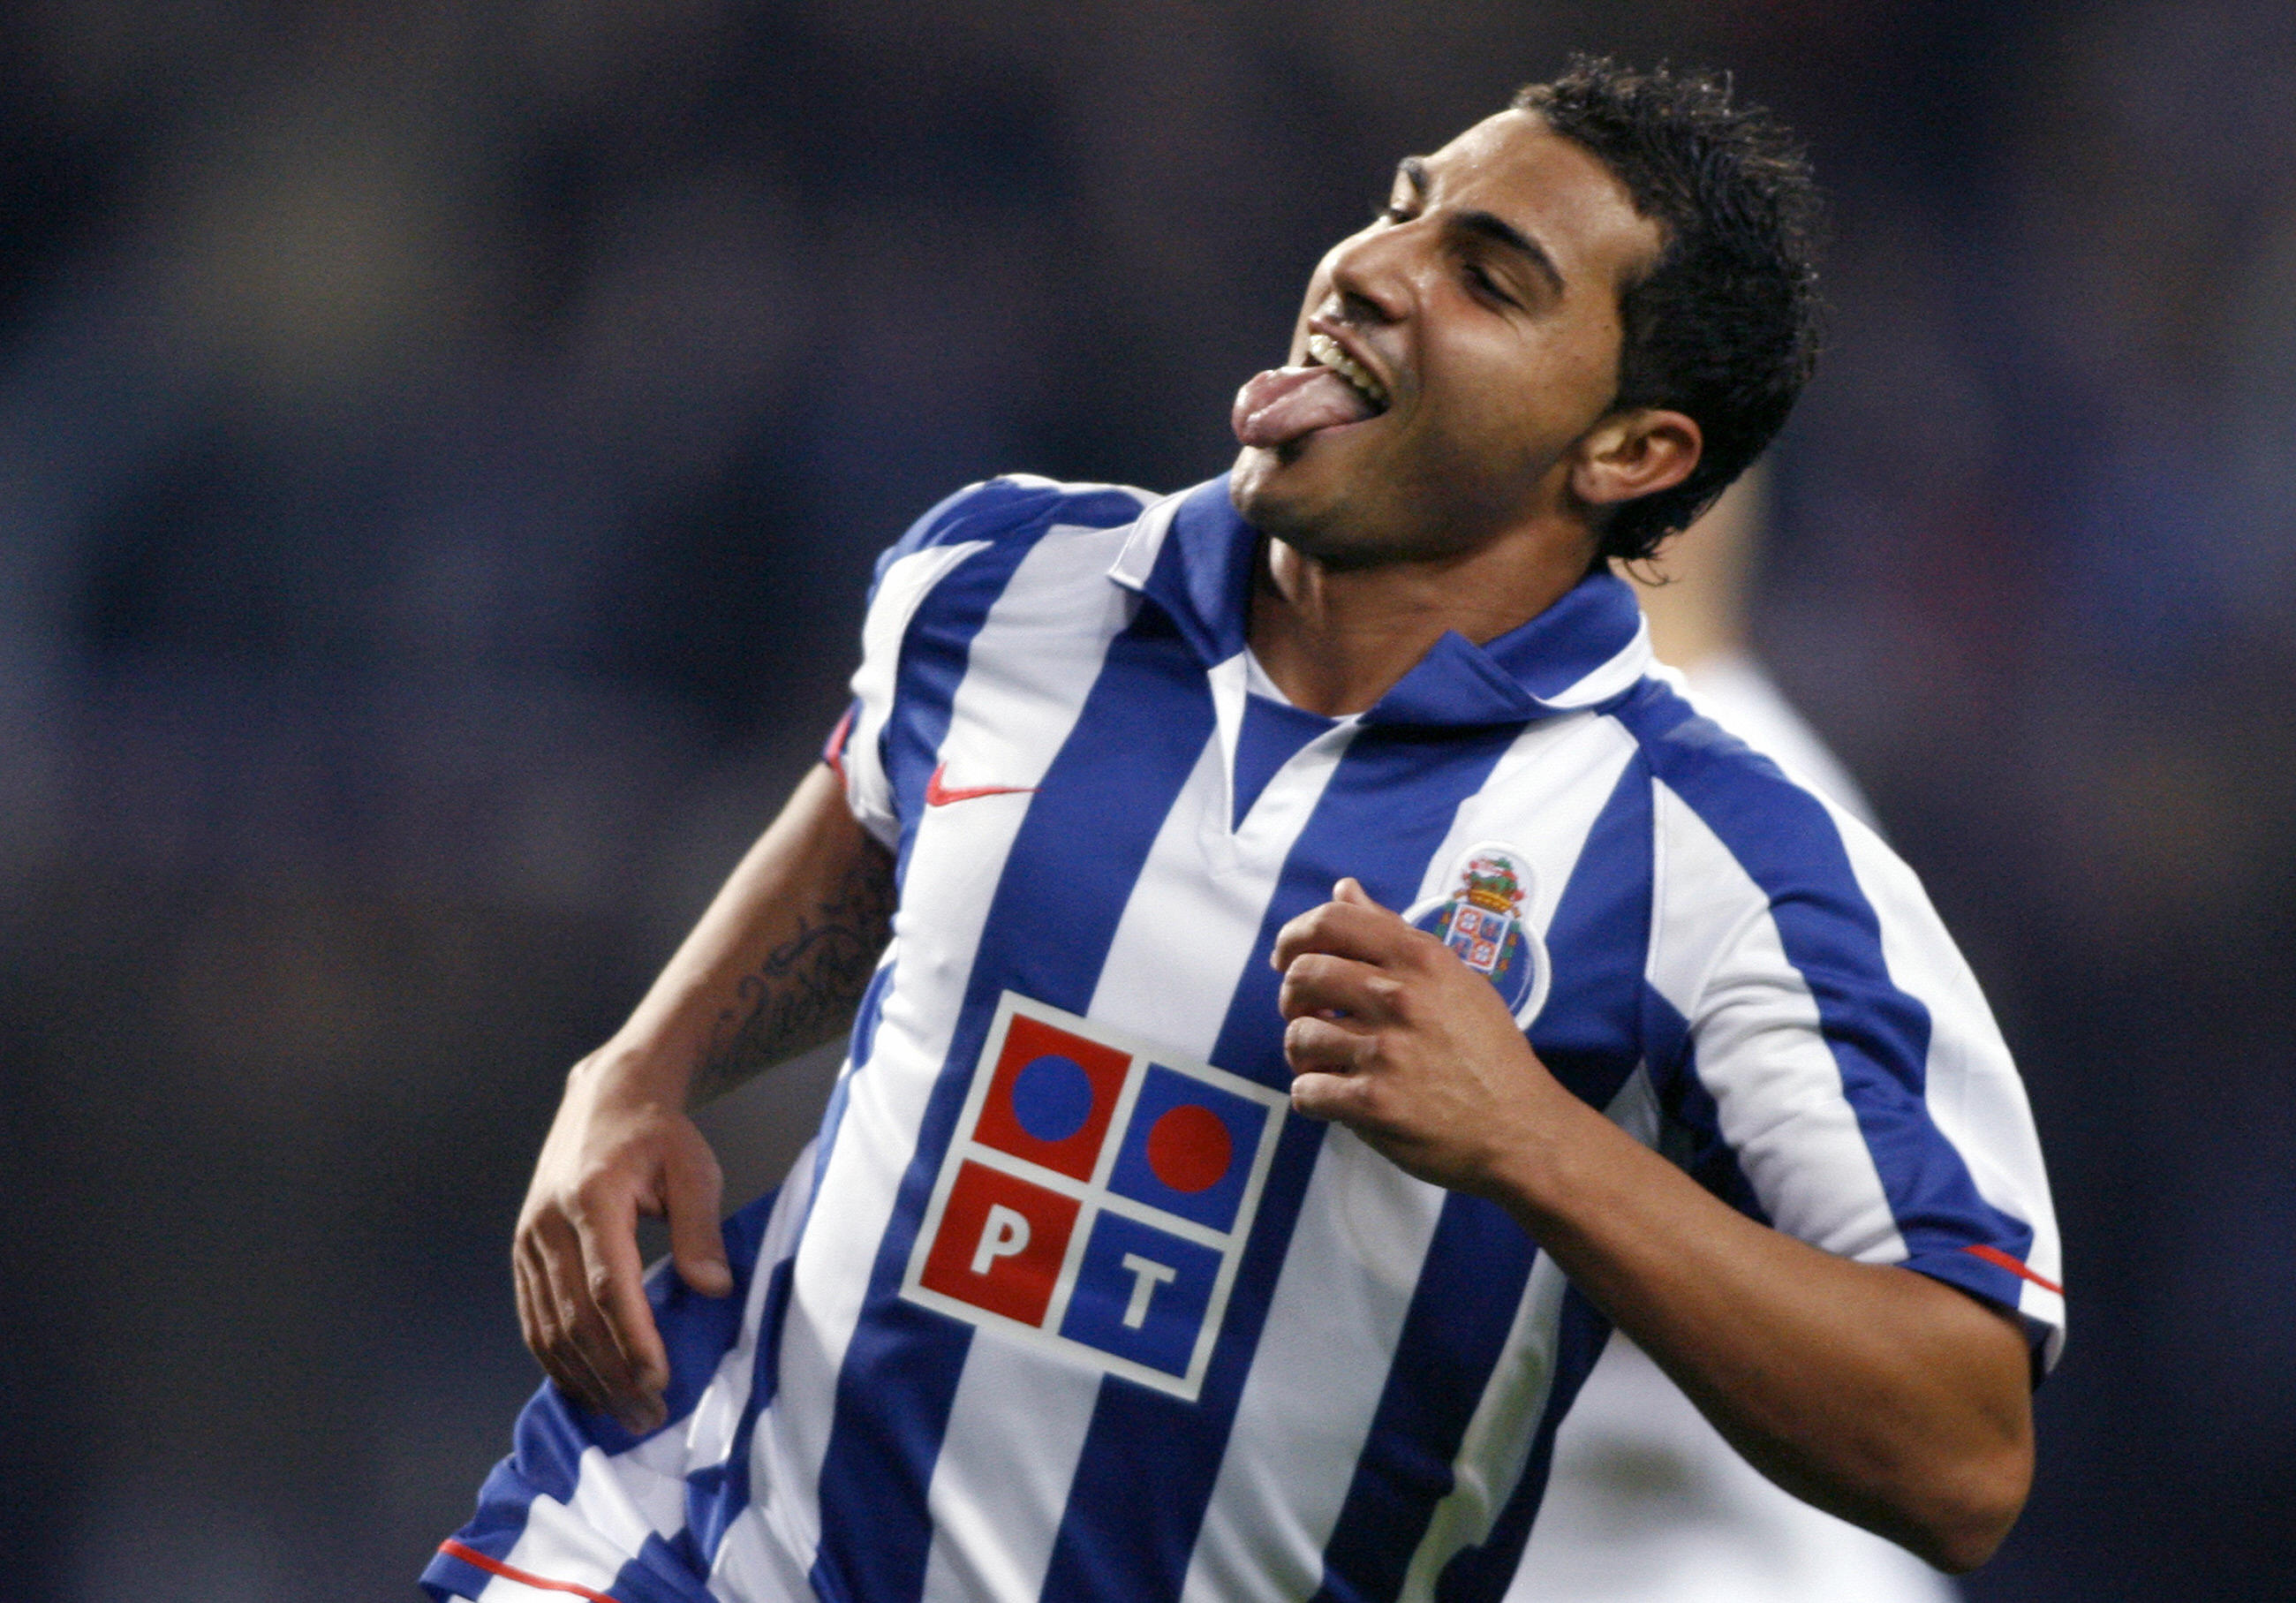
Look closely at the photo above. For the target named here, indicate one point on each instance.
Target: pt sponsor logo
(1096, 1196)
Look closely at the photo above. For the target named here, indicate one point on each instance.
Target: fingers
(1349, 925)
(1330, 1097)
(552, 1317)
(1329, 1074)
(1313, 1045)
(582, 1304)
(1315, 984)
(692, 1188)
(613, 1328)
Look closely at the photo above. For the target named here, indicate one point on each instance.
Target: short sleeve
(1836, 1044)
(1010, 507)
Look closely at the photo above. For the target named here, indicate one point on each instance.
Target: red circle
(1189, 1149)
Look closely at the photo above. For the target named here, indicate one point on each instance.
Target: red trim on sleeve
(833, 753)
(1995, 1256)
(470, 1555)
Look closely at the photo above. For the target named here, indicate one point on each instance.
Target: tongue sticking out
(1286, 403)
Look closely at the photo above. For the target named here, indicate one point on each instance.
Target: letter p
(1003, 1233)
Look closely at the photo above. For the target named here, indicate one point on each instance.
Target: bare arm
(776, 964)
(1876, 1393)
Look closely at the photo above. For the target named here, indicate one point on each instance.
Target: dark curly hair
(1724, 326)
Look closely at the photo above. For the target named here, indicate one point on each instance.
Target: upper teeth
(1326, 350)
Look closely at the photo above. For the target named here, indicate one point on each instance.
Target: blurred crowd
(442, 448)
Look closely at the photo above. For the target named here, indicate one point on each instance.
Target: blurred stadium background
(442, 446)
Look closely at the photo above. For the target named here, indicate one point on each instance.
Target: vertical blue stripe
(1589, 1034)
(1066, 881)
(1789, 845)
(1385, 811)
(936, 651)
(937, 647)
(1481, 1574)
(1468, 1288)
(1690, 1125)
(1269, 736)
(1479, 1260)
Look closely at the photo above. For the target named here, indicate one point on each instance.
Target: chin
(1318, 520)
(1281, 491)
(1274, 497)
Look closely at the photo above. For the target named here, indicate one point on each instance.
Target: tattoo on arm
(809, 986)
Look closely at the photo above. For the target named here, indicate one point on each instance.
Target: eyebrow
(1489, 226)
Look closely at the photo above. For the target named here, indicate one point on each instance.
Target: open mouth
(1326, 351)
(1330, 391)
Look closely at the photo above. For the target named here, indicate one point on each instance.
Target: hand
(1394, 1036)
(612, 1152)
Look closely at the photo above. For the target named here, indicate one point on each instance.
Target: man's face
(1482, 308)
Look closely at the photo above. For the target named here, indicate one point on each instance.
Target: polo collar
(1192, 554)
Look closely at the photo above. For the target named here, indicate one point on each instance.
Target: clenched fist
(1394, 1036)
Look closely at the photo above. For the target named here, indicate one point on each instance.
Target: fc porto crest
(1481, 917)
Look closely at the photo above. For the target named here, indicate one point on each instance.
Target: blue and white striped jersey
(1065, 1304)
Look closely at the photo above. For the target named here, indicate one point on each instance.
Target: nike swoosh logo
(938, 795)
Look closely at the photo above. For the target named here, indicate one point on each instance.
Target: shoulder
(1778, 828)
(1015, 508)
(1685, 745)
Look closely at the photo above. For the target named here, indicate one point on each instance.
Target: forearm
(1876, 1393)
(778, 962)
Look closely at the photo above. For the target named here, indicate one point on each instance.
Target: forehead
(1554, 189)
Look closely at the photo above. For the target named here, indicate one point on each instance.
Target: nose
(1371, 273)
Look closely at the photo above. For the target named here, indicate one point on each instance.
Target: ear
(1635, 453)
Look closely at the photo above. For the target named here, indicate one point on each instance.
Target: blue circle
(1052, 1096)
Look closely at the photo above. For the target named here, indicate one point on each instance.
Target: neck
(1334, 640)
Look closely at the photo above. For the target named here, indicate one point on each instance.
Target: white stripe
(1002, 1480)
(1716, 957)
(617, 1504)
(1048, 633)
(1973, 1093)
(868, 790)
(1008, 1542)
(1136, 560)
(1316, 1376)
(1194, 913)
(1543, 795)
(1193, 924)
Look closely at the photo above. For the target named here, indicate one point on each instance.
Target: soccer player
(1312, 983)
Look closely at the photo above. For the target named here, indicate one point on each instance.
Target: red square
(1060, 1083)
(1000, 1244)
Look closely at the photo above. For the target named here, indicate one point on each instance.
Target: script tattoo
(809, 986)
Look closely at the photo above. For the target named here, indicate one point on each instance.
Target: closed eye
(1482, 280)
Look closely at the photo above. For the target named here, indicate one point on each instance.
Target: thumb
(692, 1188)
(1350, 890)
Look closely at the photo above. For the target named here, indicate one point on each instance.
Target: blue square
(1189, 1149)
(1141, 1294)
